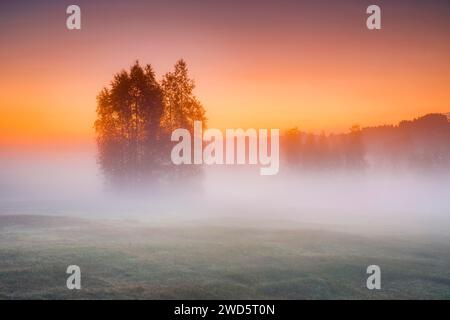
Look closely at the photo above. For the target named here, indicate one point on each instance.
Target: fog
(68, 183)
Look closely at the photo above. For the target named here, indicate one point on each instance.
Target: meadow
(130, 259)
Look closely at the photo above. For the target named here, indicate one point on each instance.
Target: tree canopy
(135, 117)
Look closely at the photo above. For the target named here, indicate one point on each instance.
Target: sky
(259, 64)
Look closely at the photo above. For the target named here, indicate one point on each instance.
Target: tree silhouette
(182, 107)
(422, 144)
(292, 150)
(128, 126)
(355, 148)
(135, 117)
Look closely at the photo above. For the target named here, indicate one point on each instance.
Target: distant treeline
(136, 115)
(423, 143)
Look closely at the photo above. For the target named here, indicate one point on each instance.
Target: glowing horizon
(308, 68)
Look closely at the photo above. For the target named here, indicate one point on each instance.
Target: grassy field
(135, 260)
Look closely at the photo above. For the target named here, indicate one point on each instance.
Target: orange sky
(310, 65)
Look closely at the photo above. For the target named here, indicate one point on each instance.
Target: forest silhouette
(420, 144)
(136, 115)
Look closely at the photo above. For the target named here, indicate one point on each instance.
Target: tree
(182, 108)
(355, 148)
(135, 118)
(292, 150)
(128, 126)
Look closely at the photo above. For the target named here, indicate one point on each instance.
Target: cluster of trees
(423, 143)
(136, 115)
(135, 118)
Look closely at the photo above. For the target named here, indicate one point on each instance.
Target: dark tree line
(135, 118)
(303, 150)
(136, 115)
(423, 144)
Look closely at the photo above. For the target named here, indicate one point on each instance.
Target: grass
(127, 260)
